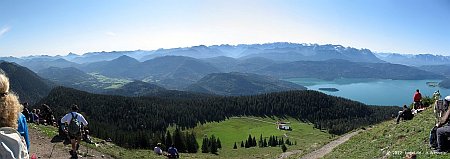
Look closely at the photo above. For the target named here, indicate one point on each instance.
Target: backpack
(12, 145)
(433, 137)
(74, 126)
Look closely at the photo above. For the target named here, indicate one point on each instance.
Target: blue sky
(59, 27)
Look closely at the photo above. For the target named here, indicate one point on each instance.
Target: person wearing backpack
(74, 119)
(12, 144)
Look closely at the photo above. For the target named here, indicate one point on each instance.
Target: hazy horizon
(57, 28)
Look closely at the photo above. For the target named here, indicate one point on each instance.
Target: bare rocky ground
(45, 147)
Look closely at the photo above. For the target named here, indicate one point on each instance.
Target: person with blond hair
(12, 144)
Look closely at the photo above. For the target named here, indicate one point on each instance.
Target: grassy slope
(229, 131)
(391, 140)
(237, 130)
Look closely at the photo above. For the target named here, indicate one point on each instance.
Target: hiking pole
(51, 153)
(87, 151)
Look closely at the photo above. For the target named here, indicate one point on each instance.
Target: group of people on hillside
(441, 130)
(408, 113)
(172, 152)
(14, 139)
(44, 115)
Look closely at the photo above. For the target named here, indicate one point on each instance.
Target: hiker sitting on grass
(158, 149)
(443, 131)
(405, 114)
(173, 152)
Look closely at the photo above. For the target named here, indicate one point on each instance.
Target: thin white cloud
(4, 30)
(110, 33)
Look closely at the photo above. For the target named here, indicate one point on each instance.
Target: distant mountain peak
(125, 58)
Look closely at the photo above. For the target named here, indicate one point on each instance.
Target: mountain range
(194, 67)
(280, 51)
(414, 60)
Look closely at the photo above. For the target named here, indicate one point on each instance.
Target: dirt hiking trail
(44, 148)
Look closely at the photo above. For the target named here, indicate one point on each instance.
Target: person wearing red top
(417, 100)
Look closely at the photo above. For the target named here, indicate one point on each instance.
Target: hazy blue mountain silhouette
(333, 69)
(414, 60)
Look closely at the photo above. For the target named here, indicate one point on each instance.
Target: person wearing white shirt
(157, 149)
(77, 137)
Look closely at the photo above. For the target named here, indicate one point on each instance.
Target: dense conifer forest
(140, 122)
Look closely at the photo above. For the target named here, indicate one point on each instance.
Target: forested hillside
(29, 86)
(139, 88)
(333, 69)
(131, 121)
(235, 84)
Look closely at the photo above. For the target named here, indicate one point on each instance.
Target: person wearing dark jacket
(173, 152)
(26, 112)
(405, 114)
(443, 129)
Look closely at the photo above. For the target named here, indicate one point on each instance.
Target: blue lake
(373, 91)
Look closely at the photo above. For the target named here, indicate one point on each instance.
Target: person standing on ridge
(73, 119)
(437, 95)
(417, 100)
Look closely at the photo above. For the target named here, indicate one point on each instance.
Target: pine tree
(254, 142)
(192, 144)
(249, 141)
(178, 140)
(219, 145)
(242, 144)
(235, 146)
(205, 143)
(283, 148)
(288, 142)
(213, 141)
(295, 142)
(265, 143)
(246, 144)
(276, 141)
(163, 141)
(168, 141)
(260, 142)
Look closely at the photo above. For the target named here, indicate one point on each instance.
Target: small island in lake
(433, 84)
(329, 89)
